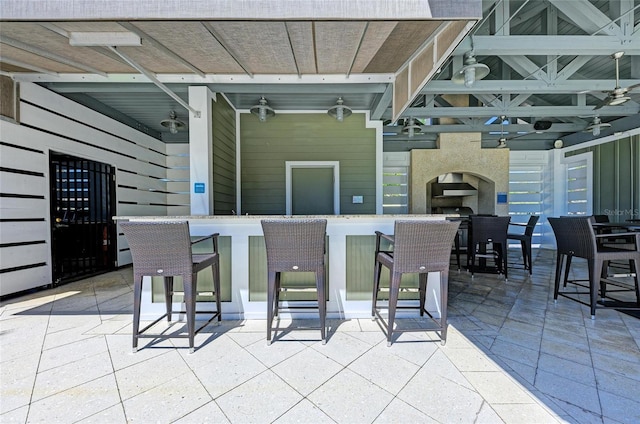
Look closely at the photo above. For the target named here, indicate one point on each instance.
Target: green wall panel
(616, 178)
(224, 157)
(360, 263)
(294, 280)
(266, 146)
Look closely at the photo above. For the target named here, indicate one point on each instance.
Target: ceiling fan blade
(633, 87)
(604, 102)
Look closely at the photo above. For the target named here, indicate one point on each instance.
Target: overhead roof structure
(549, 61)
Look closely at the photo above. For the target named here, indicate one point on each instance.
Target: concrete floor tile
(620, 409)
(115, 414)
(260, 400)
(488, 415)
(470, 360)
(275, 353)
(496, 387)
(566, 367)
(401, 412)
(343, 348)
(167, 402)
(144, 376)
(442, 398)
(349, 398)
(304, 412)
(15, 416)
(385, 369)
(617, 384)
(76, 403)
(307, 370)
(72, 352)
(515, 352)
(209, 413)
(64, 377)
(525, 414)
(581, 395)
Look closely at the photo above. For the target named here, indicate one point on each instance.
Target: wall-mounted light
(411, 128)
(173, 123)
(339, 111)
(471, 72)
(262, 110)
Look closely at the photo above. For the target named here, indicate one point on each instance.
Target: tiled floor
(512, 356)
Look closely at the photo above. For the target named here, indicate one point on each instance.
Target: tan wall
(461, 152)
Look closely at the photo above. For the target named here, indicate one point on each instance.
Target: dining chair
(576, 238)
(418, 247)
(294, 245)
(525, 240)
(164, 249)
(488, 240)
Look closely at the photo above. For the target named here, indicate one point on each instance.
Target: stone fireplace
(460, 153)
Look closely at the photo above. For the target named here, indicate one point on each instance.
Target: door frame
(335, 165)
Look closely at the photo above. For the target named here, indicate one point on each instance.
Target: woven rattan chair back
(489, 228)
(525, 239)
(574, 236)
(159, 248)
(423, 246)
(531, 225)
(484, 230)
(294, 245)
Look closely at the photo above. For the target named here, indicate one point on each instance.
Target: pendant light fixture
(411, 128)
(471, 72)
(339, 111)
(262, 110)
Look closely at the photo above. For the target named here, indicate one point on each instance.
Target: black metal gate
(82, 204)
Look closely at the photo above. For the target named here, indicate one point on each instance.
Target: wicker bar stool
(163, 249)
(418, 247)
(294, 245)
(575, 237)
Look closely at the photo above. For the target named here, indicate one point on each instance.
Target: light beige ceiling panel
(301, 36)
(421, 67)
(192, 42)
(375, 36)
(43, 39)
(153, 60)
(261, 46)
(403, 41)
(337, 45)
(401, 88)
(39, 61)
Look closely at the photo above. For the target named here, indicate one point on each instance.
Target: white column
(201, 152)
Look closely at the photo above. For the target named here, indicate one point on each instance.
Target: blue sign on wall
(502, 198)
(198, 187)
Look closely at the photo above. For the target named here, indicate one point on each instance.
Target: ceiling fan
(617, 96)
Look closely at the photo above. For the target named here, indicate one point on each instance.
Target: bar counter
(350, 253)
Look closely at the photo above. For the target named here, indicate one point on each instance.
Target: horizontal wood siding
(224, 157)
(177, 186)
(266, 146)
(52, 123)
